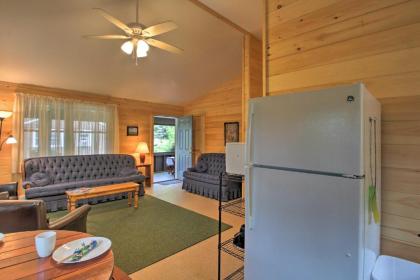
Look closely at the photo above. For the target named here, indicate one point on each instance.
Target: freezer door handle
(248, 154)
(356, 177)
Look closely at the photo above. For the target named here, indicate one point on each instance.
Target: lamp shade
(5, 114)
(11, 140)
(142, 148)
(235, 158)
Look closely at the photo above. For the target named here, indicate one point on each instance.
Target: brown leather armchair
(8, 191)
(25, 215)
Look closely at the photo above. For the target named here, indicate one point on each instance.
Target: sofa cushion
(201, 166)
(40, 179)
(128, 171)
(61, 188)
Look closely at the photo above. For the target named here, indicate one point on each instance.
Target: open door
(183, 145)
(199, 128)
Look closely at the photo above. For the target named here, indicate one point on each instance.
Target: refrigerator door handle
(248, 180)
(249, 221)
(356, 177)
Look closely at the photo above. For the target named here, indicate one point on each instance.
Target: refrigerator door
(318, 130)
(305, 226)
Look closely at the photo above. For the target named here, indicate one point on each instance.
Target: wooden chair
(118, 274)
(9, 191)
(170, 165)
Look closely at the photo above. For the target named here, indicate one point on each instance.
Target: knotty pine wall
(320, 43)
(6, 104)
(131, 112)
(252, 74)
(223, 104)
(401, 176)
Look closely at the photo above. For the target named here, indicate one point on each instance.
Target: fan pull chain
(137, 11)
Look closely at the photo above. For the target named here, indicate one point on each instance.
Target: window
(164, 138)
(90, 136)
(53, 126)
(31, 131)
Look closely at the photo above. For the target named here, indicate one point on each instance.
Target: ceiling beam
(219, 16)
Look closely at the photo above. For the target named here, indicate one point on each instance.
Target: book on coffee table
(81, 190)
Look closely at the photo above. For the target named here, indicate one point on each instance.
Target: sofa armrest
(192, 169)
(27, 185)
(75, 220)
(233, 178)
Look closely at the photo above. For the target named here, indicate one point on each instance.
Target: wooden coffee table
(132, 188)
(19, 260)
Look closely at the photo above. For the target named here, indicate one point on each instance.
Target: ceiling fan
(138, 38)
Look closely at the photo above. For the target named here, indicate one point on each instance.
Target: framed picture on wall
(132, 130)
(231, 132)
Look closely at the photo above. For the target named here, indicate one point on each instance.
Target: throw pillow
(128, 171)
(201, 166)
(40, 179)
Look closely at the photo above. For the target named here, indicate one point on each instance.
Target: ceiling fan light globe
(141, 54)
(142, 47)
(127, 47)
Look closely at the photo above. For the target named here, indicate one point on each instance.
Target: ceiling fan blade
(159, 29)
(107, 37)
(115, 21)
(164, 46)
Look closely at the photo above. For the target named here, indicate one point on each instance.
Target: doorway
(164, 143)
(172, 147)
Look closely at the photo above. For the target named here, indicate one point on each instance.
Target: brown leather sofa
(25, 215)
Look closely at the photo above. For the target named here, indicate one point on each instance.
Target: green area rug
(143, 236)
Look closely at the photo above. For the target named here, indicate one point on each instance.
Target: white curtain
(49, 126)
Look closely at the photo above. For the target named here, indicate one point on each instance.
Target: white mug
(45, 243)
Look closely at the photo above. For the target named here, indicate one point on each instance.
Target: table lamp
(10, 139)
(142, 149)
(4, 115)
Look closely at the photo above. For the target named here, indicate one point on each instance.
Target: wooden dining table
(19, 260)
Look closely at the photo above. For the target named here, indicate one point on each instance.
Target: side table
(146, 170)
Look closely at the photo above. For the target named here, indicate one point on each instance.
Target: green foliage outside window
(164, 138)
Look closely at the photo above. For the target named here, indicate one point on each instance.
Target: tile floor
(198, 262)
(162, 176)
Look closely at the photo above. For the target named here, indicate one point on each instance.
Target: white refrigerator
(311, 158)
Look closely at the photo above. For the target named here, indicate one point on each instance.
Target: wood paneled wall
(131, 112)
(6, 104)
(252, 76)
(401, 177)
(223, 104)
(320, 43)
